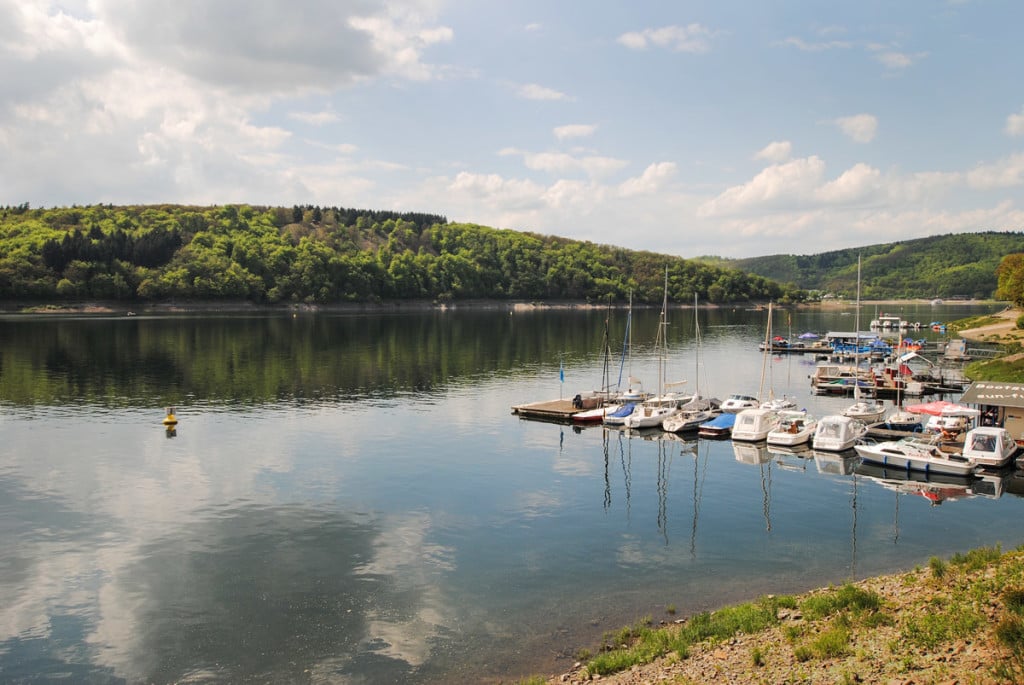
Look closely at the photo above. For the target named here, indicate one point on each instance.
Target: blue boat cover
(721, 421)
(624, 410)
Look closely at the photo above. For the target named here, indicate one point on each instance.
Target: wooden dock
(551, 410)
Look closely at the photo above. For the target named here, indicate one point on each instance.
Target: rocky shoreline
(931, 625)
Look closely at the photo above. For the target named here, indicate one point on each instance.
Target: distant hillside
(330, 255)
(954, 265)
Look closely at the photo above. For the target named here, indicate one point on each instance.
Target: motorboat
(989, 446)
(754, 424)
(835, 433)
(778, 403)
(916, 454)
(718, 427)
(866, 410)
(794, 428)
(900, 419)
(734, 404)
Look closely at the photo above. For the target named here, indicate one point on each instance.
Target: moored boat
(718, 427)
(795, 428)
(917, 454)
(736, 403)
(754, 424)
(836, 433)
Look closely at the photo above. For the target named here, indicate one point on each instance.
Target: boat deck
(550, 410)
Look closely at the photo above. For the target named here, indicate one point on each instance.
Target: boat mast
(856, 340)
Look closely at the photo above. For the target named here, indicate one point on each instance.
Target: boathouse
(1001, 404)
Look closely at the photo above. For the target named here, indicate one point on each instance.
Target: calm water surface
(348, 499)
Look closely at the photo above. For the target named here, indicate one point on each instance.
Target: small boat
(691, 415)
(866, 410)
(754, 424)
(916, 454)
(618, 417)
(836, 433)
(651, 413)
(718, 427)
(734, 404)
(902, 420)
(795, 428)
(778, 403)
(989, 446)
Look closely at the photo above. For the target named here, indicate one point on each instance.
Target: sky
(690, 128)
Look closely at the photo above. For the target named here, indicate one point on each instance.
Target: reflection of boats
(754, 424)
(836, 433)
(916, 453)
(837, 463)
(751, 453)
(794, 428)
(938, 487)
(792, 458)
(718, 427)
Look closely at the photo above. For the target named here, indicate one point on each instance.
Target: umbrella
(809, 336)
(932, 408)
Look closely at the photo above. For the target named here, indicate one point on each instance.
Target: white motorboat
(916, 454)
(653, 412)
(866, 410)
(835, 433)
(989, 446)
(754, 424)
(734, 404)
(795, 428)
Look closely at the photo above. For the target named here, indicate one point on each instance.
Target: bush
(1020, 321)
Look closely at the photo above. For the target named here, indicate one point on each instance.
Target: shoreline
(108, 307)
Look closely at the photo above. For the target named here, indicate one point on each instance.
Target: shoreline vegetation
(955, 621)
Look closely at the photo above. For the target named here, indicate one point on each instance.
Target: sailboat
(773, 402)
(866, 410)
(700, 409)
(756, 423)
(652, 412)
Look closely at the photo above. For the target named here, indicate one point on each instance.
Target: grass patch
(640, 644)
(941, 624)
(846, 598)
(977, 559)
(832, 643)
(938, 567)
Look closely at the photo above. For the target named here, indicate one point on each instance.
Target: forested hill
(954, 265)
(329, 255)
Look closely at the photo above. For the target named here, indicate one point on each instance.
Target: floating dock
(551, 410)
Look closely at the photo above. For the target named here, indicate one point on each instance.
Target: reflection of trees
(262, 593)
(280, 358)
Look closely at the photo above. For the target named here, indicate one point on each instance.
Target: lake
(347, 498)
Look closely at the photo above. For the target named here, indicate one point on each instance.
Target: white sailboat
(652, 412)
(866, 410)
(699, 409)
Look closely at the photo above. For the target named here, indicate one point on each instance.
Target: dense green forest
(330, 255)
(954, 265)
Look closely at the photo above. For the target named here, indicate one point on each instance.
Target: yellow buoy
(170, 419)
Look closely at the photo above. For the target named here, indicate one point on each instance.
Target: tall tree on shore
(1010, 275)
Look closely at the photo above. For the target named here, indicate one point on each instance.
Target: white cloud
(532, 91)
(561, 162)
(574, 131)
(314, 118)
(861, 127)
(653, 179)
(1006, 173)
(693, 38)
(859, 184)
(777, 151)
(1015, 124)
(780, 185)
(819, 46)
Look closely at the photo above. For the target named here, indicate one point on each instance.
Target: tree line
(946, 266)
(323, 255)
